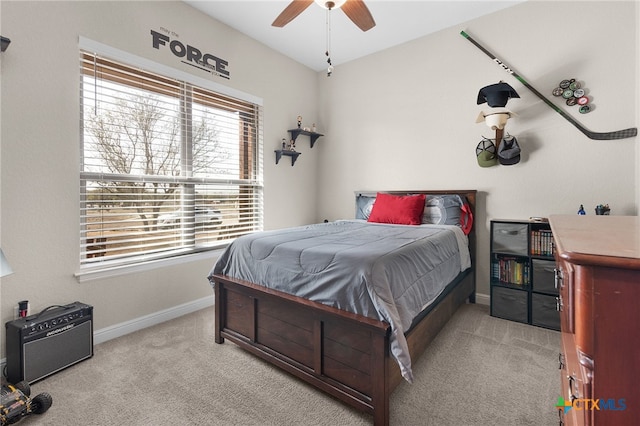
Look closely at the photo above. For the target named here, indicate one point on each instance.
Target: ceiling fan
(355, 10)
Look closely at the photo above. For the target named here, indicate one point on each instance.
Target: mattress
(387, 272)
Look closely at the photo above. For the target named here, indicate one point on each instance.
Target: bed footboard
(343, 354)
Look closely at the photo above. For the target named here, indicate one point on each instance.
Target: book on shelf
(541, 242)
(511, 270)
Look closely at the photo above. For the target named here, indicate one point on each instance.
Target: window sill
(102, 272)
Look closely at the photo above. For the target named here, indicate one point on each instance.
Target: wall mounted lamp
(4, 43)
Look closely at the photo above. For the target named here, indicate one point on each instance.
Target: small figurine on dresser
(581, 210)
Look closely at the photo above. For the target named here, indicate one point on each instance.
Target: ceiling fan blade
(358, 12)
(295, 8)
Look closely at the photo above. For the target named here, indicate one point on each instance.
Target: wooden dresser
(598, 276)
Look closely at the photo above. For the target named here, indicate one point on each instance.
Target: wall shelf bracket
(293, 154)
(313, 136)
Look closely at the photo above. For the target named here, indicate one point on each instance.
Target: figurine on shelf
(313, 127)
(299, 121)
(581, 210)
(292, 145)
(284, 144)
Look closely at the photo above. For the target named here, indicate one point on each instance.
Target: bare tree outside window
(139, 137)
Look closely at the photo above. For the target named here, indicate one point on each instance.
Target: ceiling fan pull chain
(330, 67)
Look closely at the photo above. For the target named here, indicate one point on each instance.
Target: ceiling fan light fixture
(337, 4)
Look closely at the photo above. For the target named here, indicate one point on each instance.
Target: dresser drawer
(564, 282)
(573, 385)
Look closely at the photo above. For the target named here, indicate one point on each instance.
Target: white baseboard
(124, 328)
(483, 299)
(118, 330)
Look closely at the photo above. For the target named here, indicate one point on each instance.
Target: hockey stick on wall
(620, 134)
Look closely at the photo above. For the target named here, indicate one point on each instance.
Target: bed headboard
(468, 195)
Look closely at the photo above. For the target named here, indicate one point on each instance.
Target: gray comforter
(386, 272)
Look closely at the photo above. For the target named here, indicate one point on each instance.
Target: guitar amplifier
(47, 342)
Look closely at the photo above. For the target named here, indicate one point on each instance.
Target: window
(167, 168)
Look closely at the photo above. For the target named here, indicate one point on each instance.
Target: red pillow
(398, 209)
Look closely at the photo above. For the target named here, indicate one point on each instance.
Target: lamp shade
(5, 269)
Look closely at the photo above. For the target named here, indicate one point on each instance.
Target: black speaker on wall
(52, 340)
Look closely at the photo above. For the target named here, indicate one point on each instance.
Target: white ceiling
(305, 38)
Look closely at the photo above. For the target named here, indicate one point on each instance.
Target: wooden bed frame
(343, 354)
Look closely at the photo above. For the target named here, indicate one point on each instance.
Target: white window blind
(167, 168)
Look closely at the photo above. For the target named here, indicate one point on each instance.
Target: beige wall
(400, 119)
(404, 118)
(637, 92)
(40, 147)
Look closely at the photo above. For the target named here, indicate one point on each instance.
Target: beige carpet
(479, 371)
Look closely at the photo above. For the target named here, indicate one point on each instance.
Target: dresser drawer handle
(559, 304)
(560, 361)
(557, 278)
(573, 395)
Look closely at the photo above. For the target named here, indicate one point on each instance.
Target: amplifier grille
(53, 353)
